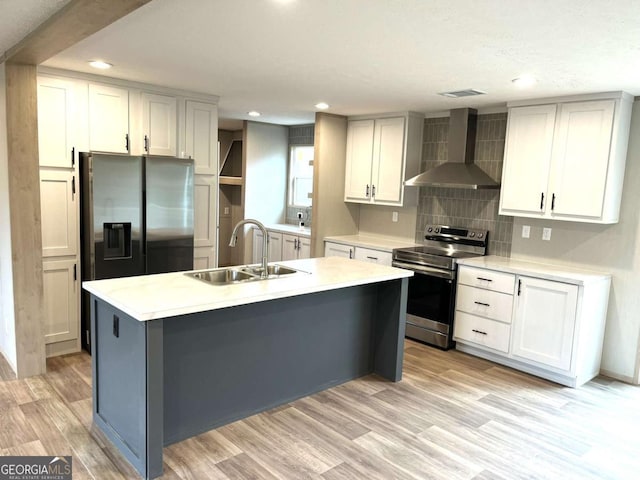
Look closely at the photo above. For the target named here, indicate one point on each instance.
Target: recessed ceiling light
(524, 81)
(253, 113)
(322, 106)
(100, 64)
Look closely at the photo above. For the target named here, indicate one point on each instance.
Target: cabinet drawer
(487, 279)
(373, 256)
(481, 331)
(484, 303)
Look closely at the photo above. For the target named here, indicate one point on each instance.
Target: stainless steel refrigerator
(136, 217)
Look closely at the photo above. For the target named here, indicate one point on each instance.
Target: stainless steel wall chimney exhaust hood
(459, 171)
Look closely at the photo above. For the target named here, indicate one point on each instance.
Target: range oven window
(431, 297)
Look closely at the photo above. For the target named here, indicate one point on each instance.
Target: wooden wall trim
(26, 236)
(77, 20)
(331, 214)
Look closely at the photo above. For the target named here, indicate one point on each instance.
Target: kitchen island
(174, 356)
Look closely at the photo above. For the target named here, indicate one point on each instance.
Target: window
(300, 175)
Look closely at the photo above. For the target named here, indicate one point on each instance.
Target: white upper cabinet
(381, 154)
(159, 124)
(56, 117)
(566, 161)
(581, 153)
(387, 166)
(527, 156)
(357, 187)
(201, 136)
(108, 119)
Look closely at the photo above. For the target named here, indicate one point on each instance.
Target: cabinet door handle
(484, 279)
(367, 191)
(296, 244)
(126, 141)
(479, 331)
(519, 286)
(553, 201)
(73, 156)
(351, 253)
(116, 326)
(146, 144)
(373, 191)
(372, 258)
(73, 187)
(75, 272)
(541, 200)
(483, 304)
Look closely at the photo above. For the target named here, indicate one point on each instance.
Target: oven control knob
(480, 235)
(429, 229)
(472, 234)
(437, 230)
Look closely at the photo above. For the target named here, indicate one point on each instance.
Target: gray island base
(160, 381)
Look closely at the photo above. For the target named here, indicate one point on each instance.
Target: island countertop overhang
(151, 297)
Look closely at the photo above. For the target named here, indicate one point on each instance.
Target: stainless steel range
(432, 289)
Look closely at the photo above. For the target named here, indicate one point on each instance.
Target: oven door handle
(421, 269)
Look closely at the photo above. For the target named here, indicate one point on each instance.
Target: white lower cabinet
(282, 246)
(295, 247)
(550, 328)
(58, 210)
(60, 300)
(364, 254)
(275, 246)
(544, 322)
(332, 249)
(482, 331)
(484, 306)
(373, 256)
(203, 258)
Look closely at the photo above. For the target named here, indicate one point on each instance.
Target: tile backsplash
(292, 215)
(462, 207)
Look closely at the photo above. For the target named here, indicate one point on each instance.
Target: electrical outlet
(526, 231)
(394, 217)
(546, 233)
(299, 215)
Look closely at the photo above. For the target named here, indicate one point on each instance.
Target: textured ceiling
(280, 57)
(19, 17)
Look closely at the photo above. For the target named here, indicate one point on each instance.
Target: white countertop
(385, 244)
(164, 295)
(558, 273)
(292, 229)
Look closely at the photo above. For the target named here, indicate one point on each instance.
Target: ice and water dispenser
(117, 240)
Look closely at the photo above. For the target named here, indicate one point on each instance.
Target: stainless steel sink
(223, 276)
(227, 276)
(273, 271)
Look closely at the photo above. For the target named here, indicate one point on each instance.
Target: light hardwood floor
(452, 416)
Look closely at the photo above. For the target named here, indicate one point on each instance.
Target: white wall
(267, 153)
(7, 317)
(610, 248)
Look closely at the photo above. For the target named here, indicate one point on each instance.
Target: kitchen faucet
(265, 243)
